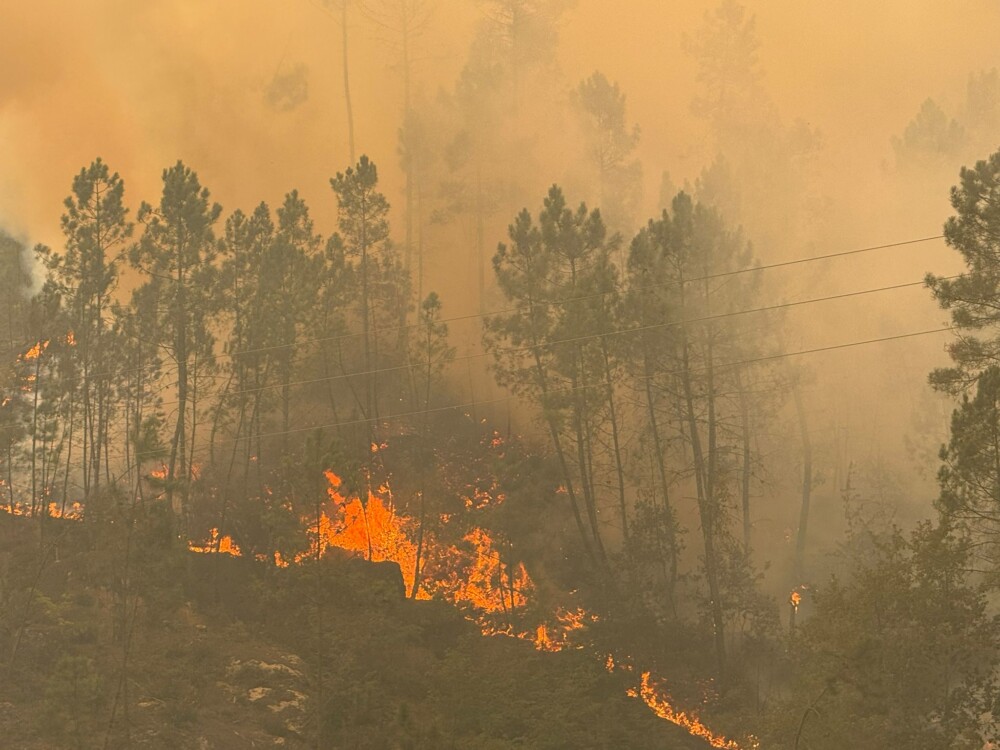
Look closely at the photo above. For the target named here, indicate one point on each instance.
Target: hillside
(226, 652)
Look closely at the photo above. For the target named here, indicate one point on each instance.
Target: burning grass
(474, 574)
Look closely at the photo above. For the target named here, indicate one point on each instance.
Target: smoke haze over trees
(663, 343)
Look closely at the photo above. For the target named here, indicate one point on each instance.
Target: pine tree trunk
(347, 79)
(662, 471)
(745, 478)
(617, 446)
(706, 513)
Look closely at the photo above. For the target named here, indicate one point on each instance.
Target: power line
(637, 329)
(580, 298)
(548, 303)
(574, 339)
(500, 399)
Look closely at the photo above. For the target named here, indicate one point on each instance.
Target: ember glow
(476, 578)
(36, 351)
(71, 512)
(655, 696)
(473, 575)
(224, 545)
(549, 638)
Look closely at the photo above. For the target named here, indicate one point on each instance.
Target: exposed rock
(237, 667)
(275, 690)
(256, 693)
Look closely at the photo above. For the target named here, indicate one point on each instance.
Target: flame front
(223, 545)
(656, 698)
(473, 575)
(477, 577)
(35, 351)
(71, 512)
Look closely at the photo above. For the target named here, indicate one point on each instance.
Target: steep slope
(230, 653)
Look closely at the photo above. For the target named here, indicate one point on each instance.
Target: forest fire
(654, 696)
(471, 575)
(224, 545)
(549, 638)
(71, 512)
(35, 351)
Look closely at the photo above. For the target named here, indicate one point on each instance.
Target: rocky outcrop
(275, 691)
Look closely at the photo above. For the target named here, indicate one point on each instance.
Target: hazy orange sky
(144, 82)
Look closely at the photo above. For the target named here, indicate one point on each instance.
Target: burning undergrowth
(453, 541)
(452, 538)
(445, 541)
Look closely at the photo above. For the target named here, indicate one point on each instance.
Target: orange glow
(475, 574)
(557, 638)
(656, 698)
(482, 579)
(224, 545)
(472, 574)
(372, 530)
(795, 599)
(72, 512)
(36, 351)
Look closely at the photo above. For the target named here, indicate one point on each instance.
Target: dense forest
(521, 457)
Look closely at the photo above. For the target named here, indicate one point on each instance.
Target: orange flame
(374, 530)
(556, 638)
(656, 698)
(473, 574)
(36, 351)
(223, 546)
(72, 512)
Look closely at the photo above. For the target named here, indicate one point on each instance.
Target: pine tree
(363, 236)
(684, 359)
(553, 348)
(177, 253)
(970, 471)
(972, 298)
(610, 144)
(85, 276)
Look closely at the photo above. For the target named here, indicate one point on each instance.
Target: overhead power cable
(549, 303)
(501, 399)
(574, 339)
(584, 297)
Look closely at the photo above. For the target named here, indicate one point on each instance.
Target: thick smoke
(250, 94)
